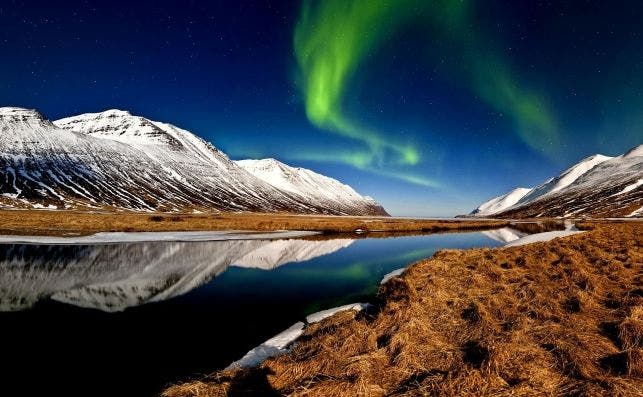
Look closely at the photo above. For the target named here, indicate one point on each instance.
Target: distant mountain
(565, 179)
(500, 203)
(310, 186)
(115, 160)
(597, 186)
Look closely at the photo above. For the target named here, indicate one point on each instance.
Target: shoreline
(557, 317)
(75, 223)
(280, 343)
(153, 237)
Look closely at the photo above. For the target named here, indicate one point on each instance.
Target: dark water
(127, 319)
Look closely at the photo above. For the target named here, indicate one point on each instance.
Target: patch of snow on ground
(392, 274)
(136, 237)
(538, 237)
(280, 343)
(273, 347)
(317, 317)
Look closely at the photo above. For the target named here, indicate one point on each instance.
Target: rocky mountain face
(597, 186)
(114, 160)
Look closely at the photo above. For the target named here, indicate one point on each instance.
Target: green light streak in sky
(410, 178)
(333, 37)
(533, 121)
(363, 160)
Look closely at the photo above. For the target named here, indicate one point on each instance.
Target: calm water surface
(127, 319)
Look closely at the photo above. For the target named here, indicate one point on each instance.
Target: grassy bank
(563, 317)
(59, 223)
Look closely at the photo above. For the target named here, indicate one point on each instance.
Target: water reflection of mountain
(115, 277)
(279, 252)
(521, 229)
(504, 235)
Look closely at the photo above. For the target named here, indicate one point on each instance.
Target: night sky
(428, 106)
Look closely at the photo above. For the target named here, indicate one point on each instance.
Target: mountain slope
(310, 185)
(566, 178)
(501, 203)
(598, 186)
(116, 160)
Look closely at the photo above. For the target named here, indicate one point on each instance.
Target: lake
(128, 319)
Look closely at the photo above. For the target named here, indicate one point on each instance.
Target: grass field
(60, 223)
(563, 317)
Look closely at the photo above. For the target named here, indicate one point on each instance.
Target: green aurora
(333, 37)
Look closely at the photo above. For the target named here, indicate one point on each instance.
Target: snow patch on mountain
(540, 237)
(631, 187)
(634, 152)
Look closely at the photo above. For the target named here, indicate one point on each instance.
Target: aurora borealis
(428, 106)
(333, 36)
(329, 42)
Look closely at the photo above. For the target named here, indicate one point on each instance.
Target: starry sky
(429, 106)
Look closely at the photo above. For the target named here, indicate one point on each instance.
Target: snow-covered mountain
(500, 203)
(116, 160)
(565, 179)
(113, 277)
(597, 186)
(308, 184)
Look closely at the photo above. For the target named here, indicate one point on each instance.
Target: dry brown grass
(563, 317)
(29, 222)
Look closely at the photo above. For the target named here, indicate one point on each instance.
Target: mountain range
(115, 160)
(597, 186)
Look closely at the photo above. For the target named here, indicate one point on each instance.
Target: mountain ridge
(596, 186)
(116, 160)
(303, 182)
